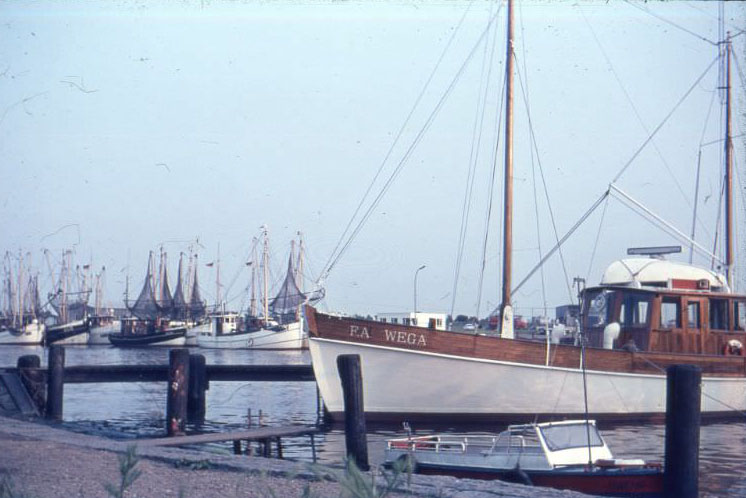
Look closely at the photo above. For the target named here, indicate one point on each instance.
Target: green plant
(358, 484)
(127, 471)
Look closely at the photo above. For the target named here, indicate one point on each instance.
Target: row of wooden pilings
(187, 383)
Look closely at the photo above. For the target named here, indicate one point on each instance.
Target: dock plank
(248, 435)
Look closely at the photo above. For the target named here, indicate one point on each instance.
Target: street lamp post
(415, 292)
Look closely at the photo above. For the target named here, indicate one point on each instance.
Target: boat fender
(733, 347)
(611, 333)
(518, 476)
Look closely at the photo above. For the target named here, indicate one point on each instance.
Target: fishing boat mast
(506, 309)
(728, 169)
(265, 274)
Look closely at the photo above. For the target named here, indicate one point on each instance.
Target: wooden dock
(265, 435)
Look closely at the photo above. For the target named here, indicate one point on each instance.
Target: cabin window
(670, 313)
(439, 322)
(739, 308)
(395, 320)
(383, 320)
(634, 310)
(598, 308)
(563, 437)
(405, 321)
(692, 315)
(719, 314)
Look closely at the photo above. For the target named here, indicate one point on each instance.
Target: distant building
(420, 319)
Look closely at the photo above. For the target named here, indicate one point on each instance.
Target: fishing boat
(280, 325)
(646, 314)
(71, 326)
(151, 323)
(569, 454)
(101, 323)
(21, 323)
(135, 332)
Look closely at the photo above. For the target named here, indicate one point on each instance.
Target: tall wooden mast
(728, 170)
(506, 312)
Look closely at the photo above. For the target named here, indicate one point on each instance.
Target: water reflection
(136, 410)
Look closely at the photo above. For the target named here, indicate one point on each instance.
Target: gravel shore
(41, 461)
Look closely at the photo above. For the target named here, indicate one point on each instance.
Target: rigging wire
(664, 121)
(534, 158)
(408, 152)
(598, 237)
(332, 259)
(634, 108)
(546, 190)
(491, 187)
(473, 160)
(668, 21)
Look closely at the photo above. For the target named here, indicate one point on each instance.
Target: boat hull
(414, 378)
(68, 334)
(638, 483)
(172, 337)
(29, 334)
(291, 336)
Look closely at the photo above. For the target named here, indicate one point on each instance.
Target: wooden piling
(352, 389)
(683, 404)
(198, 384)
(178, 383)
(55, 382)
(33, 378)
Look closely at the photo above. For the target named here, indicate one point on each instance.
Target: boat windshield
(566, 436)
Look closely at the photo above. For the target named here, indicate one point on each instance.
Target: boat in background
(570, 454)
(101, 324)
(21, 322)
(280, 324)
(70, 305)
(151, 323)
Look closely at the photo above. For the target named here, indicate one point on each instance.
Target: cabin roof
(639, 272)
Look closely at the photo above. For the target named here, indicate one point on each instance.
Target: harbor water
(137, 410)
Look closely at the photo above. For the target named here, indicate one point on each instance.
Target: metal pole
(415, 291)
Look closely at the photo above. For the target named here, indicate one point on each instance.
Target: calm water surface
(136, 410)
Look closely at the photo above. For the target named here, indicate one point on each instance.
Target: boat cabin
(662, 306)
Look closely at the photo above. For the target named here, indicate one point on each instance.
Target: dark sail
(180, 304)
(146, 308)
(196, 305)
(290, 297)
(165, 301)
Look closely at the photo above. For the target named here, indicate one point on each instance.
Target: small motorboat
(570, 454)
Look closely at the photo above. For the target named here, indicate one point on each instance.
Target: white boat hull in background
(32, 333)
(291, 336)
(427, 385)
(195, 331)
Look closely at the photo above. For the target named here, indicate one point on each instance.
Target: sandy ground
(49, 469)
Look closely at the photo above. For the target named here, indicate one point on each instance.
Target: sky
(130, 126)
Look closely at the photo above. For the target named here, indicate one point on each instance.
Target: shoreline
(41, 461)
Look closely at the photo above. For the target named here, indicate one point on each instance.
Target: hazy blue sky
(147, 124)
